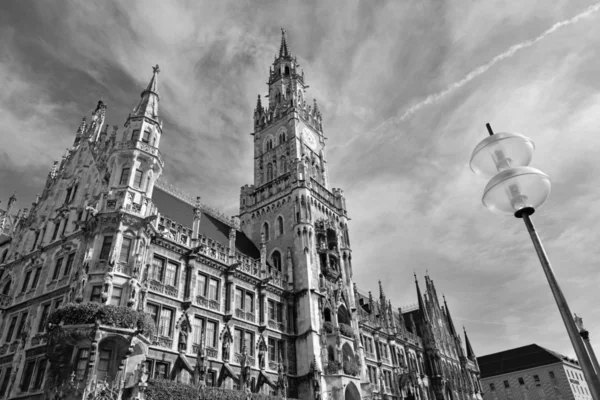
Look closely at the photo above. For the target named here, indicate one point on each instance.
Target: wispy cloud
(413, 202)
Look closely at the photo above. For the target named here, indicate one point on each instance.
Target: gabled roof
(517, 359)
(182, 212)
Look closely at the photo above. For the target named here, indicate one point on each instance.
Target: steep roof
(517, 359)
(182, 212)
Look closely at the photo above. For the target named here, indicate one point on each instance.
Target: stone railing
(248, 316)
(163, 341)
(210, 304)
(323, 194)
(169, 290)
(237, 357)
(138, 145)
(279, 326)
(90, 313)
(217, 251)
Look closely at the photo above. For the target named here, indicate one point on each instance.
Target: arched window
(269, 145)
(282, 138)
(282, 165)
(269, 172)
(146, 136)
(6, 288)
(276, 258)
(279, 225)
(265, 231)
(287, 70)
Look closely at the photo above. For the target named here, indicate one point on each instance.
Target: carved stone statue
(226, 344)
(262, 349)
(183, 336)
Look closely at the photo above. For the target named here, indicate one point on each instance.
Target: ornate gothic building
(113, 281)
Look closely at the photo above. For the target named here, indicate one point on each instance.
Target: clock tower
(301, 225)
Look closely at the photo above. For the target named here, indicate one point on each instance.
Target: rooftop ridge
(186, 198)
(407, 308)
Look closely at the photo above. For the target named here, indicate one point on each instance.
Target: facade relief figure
(183, 336)
(262, 350)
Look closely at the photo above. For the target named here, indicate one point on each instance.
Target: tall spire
(450, 322)
(470, 352)
(283, 49)
(148, 105)
(421, 304)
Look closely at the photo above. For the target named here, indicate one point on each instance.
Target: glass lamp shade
(516, 188)
(501, 151)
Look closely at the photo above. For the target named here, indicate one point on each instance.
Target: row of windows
(269, 141)
(278, 229)
(137, 178)
(33, 375)
(39, 235)
(387, 376)
(273, 167)
(135, 135)
(536, 379)
(31, 284)
(397, 353)
(574, 375)
(17, 321)
(103, 365)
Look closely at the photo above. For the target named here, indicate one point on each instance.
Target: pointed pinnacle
(283, 49)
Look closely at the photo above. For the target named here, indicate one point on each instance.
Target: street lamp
(518, 189)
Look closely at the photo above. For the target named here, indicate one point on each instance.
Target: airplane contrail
(507, 54)
(432, 98)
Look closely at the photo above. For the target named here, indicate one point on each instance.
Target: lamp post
(518, 189)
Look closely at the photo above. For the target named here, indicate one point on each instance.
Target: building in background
(114, 280)
(531, 372)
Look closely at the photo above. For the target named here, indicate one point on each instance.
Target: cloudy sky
(405, 88)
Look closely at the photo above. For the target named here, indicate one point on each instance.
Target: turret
(137, 160)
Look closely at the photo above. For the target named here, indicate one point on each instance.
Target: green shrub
(346, 330)
(88, 313)
(351, 367)
(163, 389)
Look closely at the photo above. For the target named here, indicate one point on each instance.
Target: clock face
(309, 138)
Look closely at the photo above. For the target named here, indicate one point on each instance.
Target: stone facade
(262, 304)
(562, 380)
